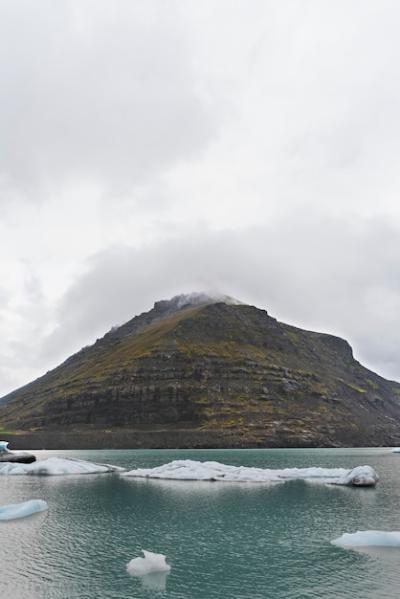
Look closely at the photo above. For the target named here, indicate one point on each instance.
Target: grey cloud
(4, 296)
(119, 95)
(24, 319)
(95, 91)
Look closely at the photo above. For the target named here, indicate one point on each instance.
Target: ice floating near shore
(363, 476)
(22, 510)
(56, 467)
(396, 450)
(368, 538)
(151, 562)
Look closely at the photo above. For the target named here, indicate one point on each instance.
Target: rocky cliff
(196, 368)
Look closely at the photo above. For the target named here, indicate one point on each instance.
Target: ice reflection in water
(157, 581)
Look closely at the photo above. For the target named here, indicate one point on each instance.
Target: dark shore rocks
(22, 457)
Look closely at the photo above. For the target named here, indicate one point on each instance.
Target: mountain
(202, 371)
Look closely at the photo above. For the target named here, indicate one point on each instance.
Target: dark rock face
(21, 457)
(213, 368)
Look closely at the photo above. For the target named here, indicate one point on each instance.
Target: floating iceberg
(368, 538)
(151, 562)
(57, 466)
(361, 476)
(22, 510)
(214, 471)
(396, 450)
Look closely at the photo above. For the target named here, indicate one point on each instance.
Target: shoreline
(174, 439)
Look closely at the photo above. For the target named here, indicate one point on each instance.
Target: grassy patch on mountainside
(216, 367)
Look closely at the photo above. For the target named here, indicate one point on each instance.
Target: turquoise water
(236, 541)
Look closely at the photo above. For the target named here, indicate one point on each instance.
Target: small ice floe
(368, 538)
(396, 450)
(361, 476)
(149, 564)
(22, 510)
(214, 471)
(56, 466)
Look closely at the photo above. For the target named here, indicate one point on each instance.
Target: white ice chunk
(56, 466)
(3, 445)
(151, 562)
(368, 538)
(396, 450)
(22, 510)
(214, 471)
(361, 476)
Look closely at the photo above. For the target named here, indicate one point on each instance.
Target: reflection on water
(386, 553)
(222, 540)
(157, 581)
(200, 487)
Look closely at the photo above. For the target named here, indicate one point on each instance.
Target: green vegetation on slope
(213, 367)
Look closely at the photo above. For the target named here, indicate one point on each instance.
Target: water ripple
(239, 542)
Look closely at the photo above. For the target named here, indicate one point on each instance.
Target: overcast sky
(158, 147)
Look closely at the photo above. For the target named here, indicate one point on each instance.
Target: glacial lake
(223, 540)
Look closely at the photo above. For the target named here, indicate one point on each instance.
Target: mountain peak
(184, 300)
(217, 372)
(165, 308)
